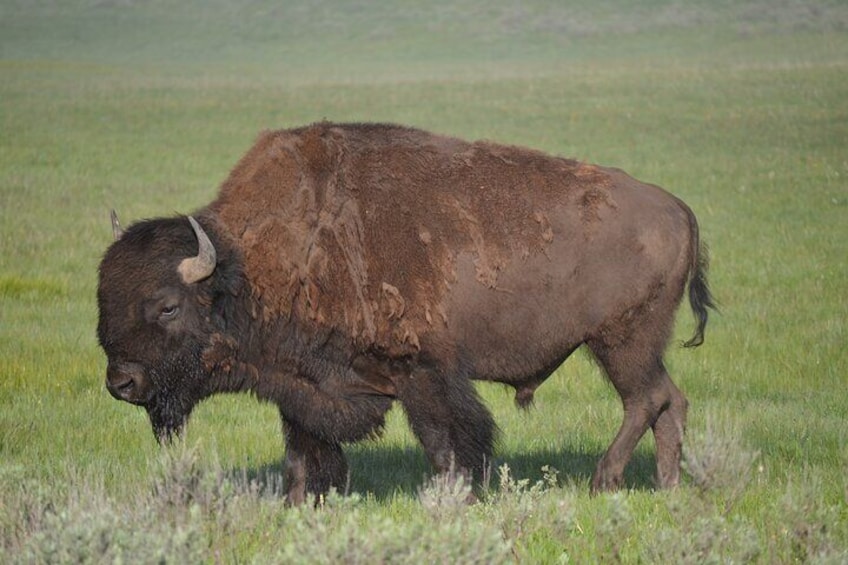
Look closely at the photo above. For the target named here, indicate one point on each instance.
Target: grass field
(739, 108)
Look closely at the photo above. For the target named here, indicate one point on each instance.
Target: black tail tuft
(700, 297)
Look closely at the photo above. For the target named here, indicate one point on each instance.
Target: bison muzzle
(344, 267)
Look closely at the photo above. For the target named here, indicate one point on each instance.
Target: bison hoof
(603, 482)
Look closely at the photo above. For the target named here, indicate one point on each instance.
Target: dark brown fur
(359, 264)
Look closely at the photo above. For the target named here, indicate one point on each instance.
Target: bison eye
(163, 306)
(168, 312)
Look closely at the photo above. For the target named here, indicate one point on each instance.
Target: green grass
(740, 108)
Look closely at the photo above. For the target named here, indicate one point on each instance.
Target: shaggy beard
(168, 419)
(179, 388)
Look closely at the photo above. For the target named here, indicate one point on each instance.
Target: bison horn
(194, 269)
(116, 226)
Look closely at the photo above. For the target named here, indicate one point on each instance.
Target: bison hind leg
(668, 435)
(448, 418)
(650, 400)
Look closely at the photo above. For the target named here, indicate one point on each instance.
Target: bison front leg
(453, 426)
(312, 466)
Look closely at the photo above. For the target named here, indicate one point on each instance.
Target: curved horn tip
(195, 269)
(117, 231)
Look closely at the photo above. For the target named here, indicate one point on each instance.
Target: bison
(344, 267)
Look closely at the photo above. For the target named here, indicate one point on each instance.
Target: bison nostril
(120, 386)
(126, 382)
(124, 385)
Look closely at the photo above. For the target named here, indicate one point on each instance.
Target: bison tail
(700, 298)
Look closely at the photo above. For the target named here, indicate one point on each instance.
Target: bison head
(155, 299)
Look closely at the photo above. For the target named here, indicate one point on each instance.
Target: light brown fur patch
(360, 226)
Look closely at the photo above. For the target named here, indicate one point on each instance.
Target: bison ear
(117, 232)
(195, 269)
